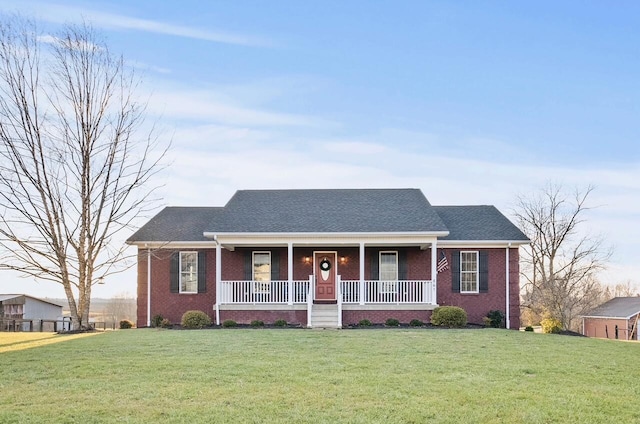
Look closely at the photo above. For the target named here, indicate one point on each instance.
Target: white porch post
(290, 273)
(148, 287)
(361, 285)
(218, 281)
(434, 271)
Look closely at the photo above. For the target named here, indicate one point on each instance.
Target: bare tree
(560, 266)
(74, 169)
(626, 289)
(119, 307)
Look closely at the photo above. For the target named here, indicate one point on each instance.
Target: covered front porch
(334, 274)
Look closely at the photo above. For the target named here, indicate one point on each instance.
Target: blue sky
(472, 102)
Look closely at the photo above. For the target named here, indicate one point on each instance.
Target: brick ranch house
(328, 258)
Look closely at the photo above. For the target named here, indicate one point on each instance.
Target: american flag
(443, 264)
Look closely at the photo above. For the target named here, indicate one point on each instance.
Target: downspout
(507, 315)
(148, 286)
(218, 277)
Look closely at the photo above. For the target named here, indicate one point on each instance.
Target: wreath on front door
(325, 265)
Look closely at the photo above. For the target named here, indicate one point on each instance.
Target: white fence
(375, 291)
(382, 291)
(263, 291)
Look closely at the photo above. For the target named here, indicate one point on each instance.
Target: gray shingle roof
(618, 307)
(328, 211)
(177, 224)
(332, 211)
(478, 223)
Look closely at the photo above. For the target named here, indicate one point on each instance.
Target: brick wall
(294, 317)
(173, 305)
(477, 305)
(352, 317)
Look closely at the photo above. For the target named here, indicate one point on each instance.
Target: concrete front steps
(324, 316)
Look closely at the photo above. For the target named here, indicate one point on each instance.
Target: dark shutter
(402, 264)
(174, 272)
(375, 265)
(248, 274)
(483, 266)
(455, 271)
(202, 272)
(275, 266)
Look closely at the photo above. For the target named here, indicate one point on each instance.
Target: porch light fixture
(343, 260)
(306, 260)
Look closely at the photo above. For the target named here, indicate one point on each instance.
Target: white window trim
(180, 272)
(477, 271)
(388, 286)
(260, 287)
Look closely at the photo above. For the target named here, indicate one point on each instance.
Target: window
(388, 272)
(262, 272)
(468, 272)
(188, 272)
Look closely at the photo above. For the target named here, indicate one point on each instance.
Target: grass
(20, 341)
(361, 376)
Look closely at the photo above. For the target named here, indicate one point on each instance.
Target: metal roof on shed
(618, 307)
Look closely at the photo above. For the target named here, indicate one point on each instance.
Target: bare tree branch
(561, 264)
(74, 170)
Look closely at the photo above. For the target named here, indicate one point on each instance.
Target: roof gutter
(210, 234)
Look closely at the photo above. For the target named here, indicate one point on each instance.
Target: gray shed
(22, 308)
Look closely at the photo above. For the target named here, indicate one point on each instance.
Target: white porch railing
(382, 291)
(263, 291)
(375, 291)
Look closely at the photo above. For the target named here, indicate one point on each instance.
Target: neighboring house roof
(618, 307)
(329, 211)
(478, 223)
(5, 297)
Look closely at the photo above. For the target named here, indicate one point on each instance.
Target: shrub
(280, 323)
(125, 323)
(495, 319)
(416, 323)
(195, 319)
(257, 323)
(228, 323)
(450, 316)
(165, 323)
(528, 328)
(392, 322)
(364, 323)
(156, 321)
(551, 325)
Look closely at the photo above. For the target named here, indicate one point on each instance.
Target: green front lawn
(355, 376)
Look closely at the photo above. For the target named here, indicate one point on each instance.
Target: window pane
(262, 266)
(468, 271)
(388, 266)
(188, 272)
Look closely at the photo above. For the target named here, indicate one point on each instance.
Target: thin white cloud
(147, 67)
(203, 105)
(56, 13)
(50, 39)
(355, 147)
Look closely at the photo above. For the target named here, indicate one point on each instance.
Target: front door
(325, 272)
